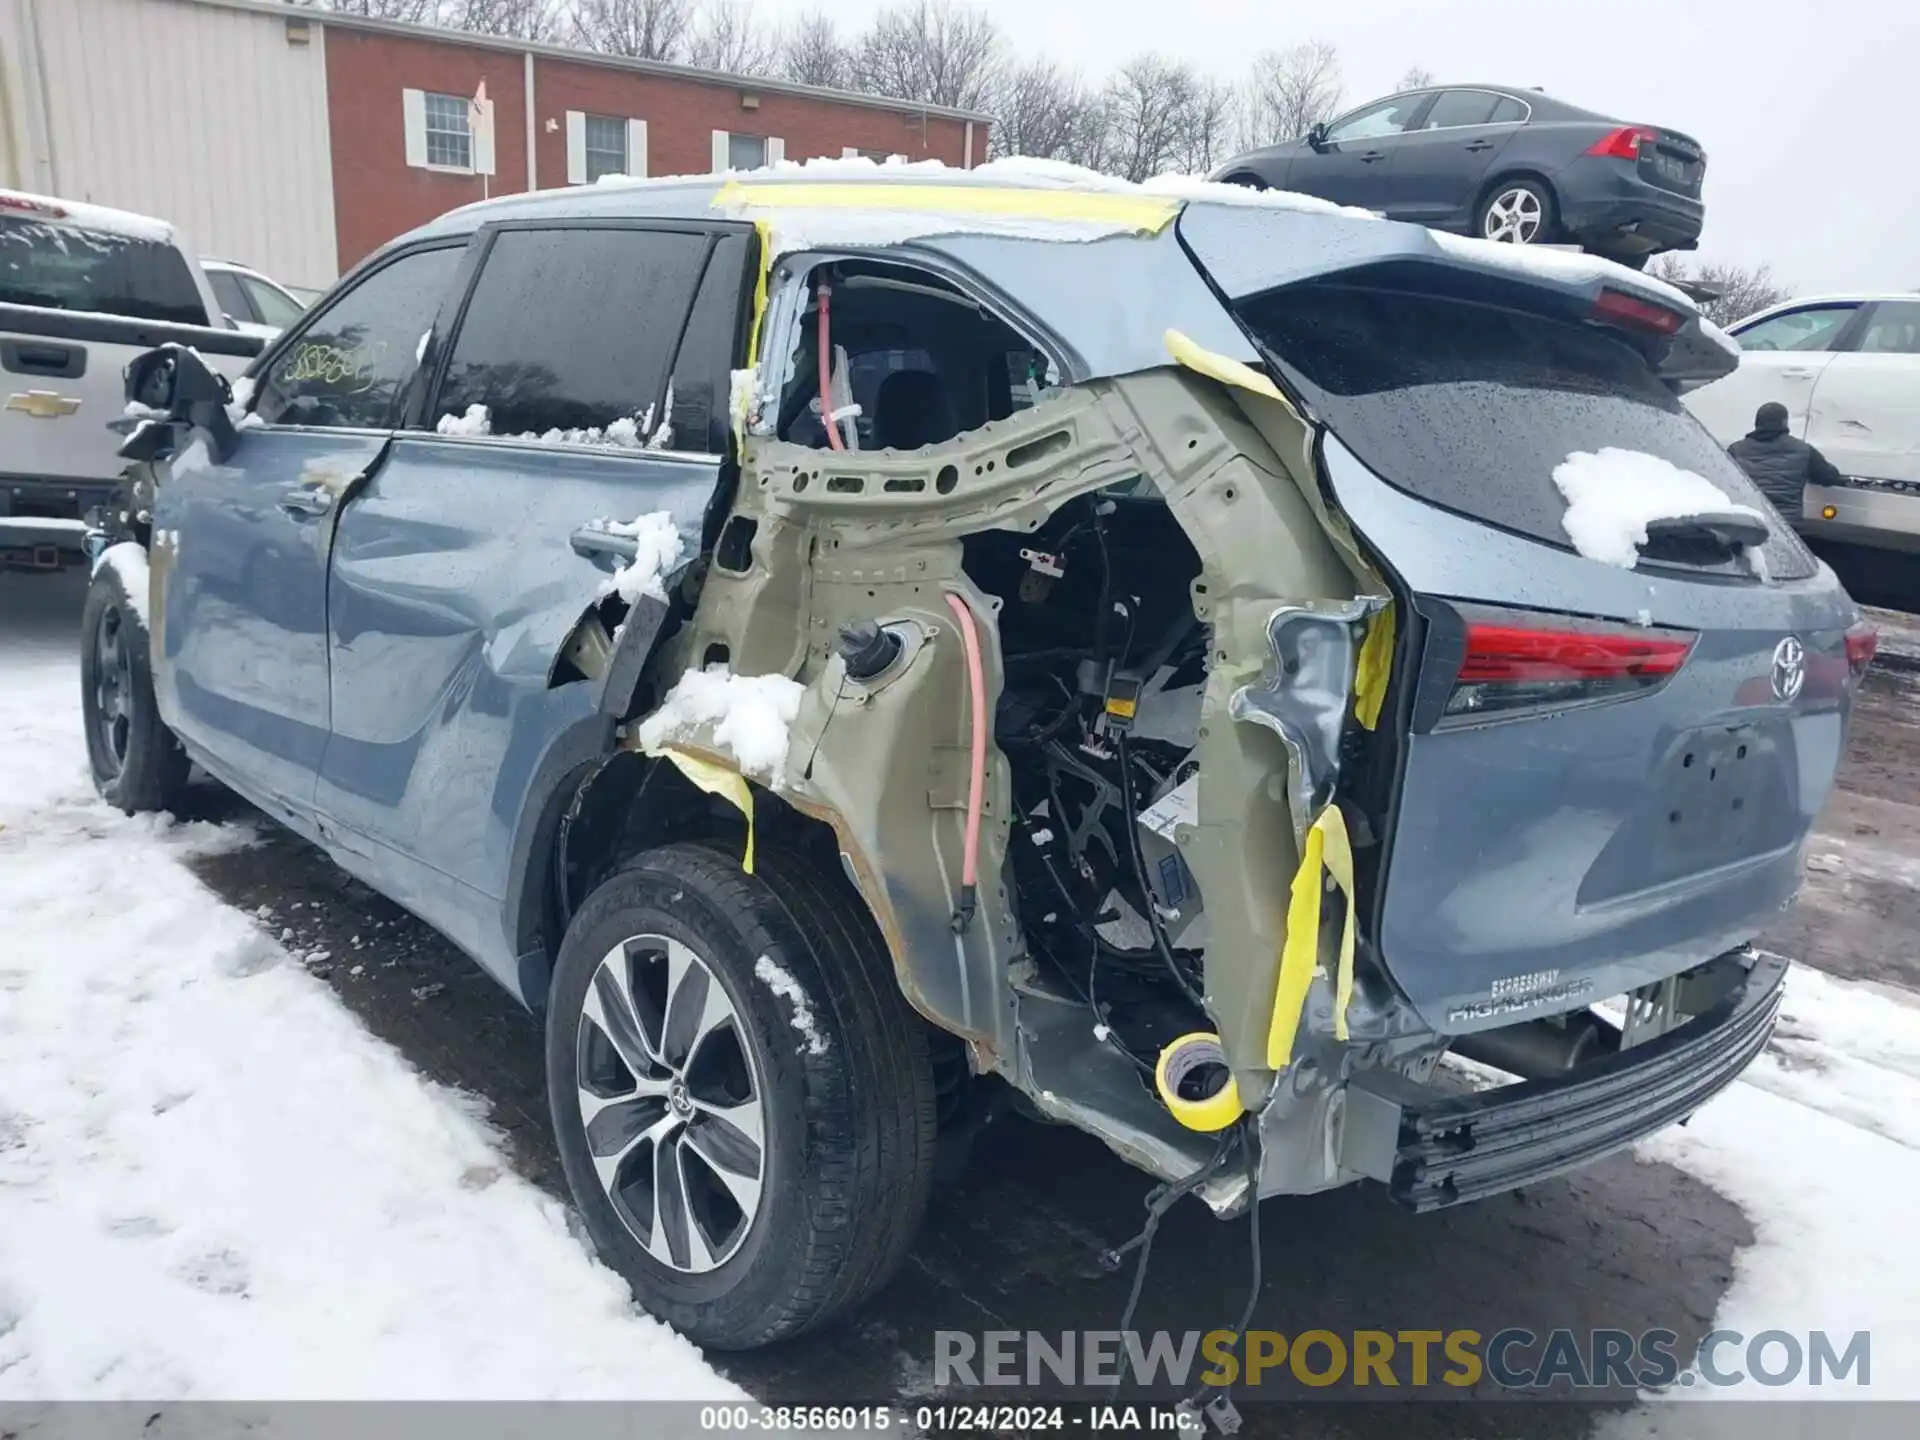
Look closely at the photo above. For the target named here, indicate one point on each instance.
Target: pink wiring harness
(977, 775)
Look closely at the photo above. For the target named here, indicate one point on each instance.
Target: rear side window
(1471, 406)
(1894, 329)
(66, 267)
(1460, 107)
(230, 297)
(350, 367)
(570, 333)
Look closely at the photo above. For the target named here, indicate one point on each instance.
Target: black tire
(1544, 232)
(849, 1132)
(137, 763)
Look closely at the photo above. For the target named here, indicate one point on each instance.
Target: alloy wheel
(672, 1103)
(113, 688)
(1514, 217)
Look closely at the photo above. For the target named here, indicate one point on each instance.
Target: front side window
(1893, 330)
(449, 141)
(746, 152)
(569, 335)
(70, 267)
(1455, 108)
(349, 369)
(606, 146)
(1814, 328)
(1389, 117)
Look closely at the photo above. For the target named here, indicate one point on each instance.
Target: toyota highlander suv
(840, 644)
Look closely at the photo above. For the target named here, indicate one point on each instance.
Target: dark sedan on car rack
(1499, 163)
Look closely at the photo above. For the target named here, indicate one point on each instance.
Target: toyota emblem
(1789, 668)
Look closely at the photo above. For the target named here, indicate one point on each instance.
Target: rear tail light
(1536, 665)
(1624, 143)
(1617, 307)
(1862, 641)
(21, 204)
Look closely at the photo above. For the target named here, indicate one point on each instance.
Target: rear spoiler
(1248, 250)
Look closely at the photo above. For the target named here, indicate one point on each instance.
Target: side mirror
(1317, 136)
(174, 379)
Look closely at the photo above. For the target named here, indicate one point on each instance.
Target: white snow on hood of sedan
(1614, 494)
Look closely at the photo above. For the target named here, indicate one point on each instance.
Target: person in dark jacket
(1779, 465)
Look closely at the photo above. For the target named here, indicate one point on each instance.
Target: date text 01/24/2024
(951, 1419)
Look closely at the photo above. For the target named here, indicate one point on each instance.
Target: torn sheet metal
(1303, 696)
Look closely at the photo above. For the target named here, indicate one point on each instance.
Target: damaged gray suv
(845, 643)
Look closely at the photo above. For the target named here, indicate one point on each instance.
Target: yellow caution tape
(1177, 1063)
(1148, 214)
(718, 780)
(1327, 852)
(765, 231)
(1371, 670)
(1228, 371)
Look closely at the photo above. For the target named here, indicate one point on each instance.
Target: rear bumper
(1446, 1149)
(1610, 209)
(1872, 514)
(43, 523)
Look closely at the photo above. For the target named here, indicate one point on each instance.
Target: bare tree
(640, 29)
(728, 36)
(1205, 134)
(1290, 91)
(1739, 290)
(938, 52)
(416, 12)
(1041, 109)
(812, 53)
(1418, 77)
(1148, 102)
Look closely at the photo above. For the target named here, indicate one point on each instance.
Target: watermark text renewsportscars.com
(1377, 1360)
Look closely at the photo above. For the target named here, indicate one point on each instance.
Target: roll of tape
(1178, 1062)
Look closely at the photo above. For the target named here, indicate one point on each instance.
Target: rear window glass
(1471, 406)
(64, 267)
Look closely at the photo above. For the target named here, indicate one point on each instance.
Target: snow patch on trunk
(788, 989)
(749, 716)
(1613, 495)
(128, 560)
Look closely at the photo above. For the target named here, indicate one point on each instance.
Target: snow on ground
(1614, 494)
(213, 1182)
(748, 716)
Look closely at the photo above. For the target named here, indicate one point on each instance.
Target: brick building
(298, 140)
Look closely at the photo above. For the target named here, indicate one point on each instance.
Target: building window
(449, 142)
(746, 152)
(606, 147)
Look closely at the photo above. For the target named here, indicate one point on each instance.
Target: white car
(253, 303)
(1847, 367)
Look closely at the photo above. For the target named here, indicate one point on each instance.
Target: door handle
(600, 545)
(1373, 155)
(1477, 146)
(1798, 372)
(312, 500)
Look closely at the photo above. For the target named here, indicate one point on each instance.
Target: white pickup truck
(84, 289)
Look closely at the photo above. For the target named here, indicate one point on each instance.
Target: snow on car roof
(90, 217)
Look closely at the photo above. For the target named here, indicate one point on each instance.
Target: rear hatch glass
(1471, 406)
(70, 267)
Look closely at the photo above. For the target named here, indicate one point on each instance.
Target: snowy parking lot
(263, 1135)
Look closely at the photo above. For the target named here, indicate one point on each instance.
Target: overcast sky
(1805, 107)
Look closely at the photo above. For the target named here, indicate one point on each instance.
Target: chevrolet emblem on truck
(42, 404)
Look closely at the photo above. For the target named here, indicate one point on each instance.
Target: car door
(243, 544)
(1864, 414)
(1353, 160)
(1439, 164)
(582, 380)
(1782, 356)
